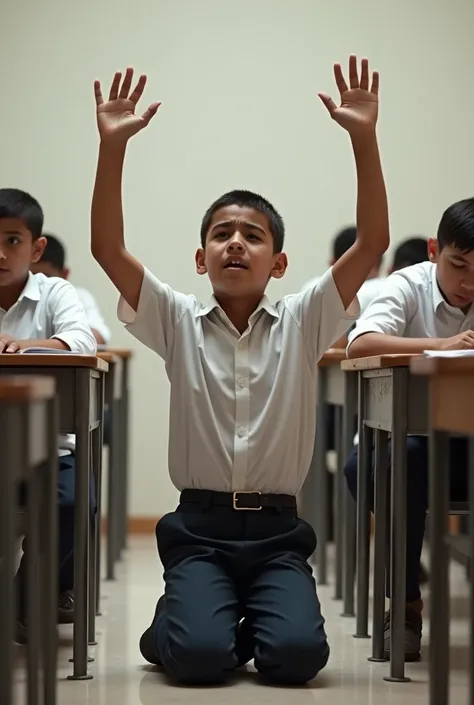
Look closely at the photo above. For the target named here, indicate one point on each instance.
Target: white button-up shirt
(49, 307)
(411, 305)
(94, 317)
(242, 407)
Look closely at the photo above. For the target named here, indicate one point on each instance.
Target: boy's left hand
(8, 344)
(358, 110)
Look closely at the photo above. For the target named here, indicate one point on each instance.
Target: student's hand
(463, 341)
(8, 344)
(359, 106)
(116, 118)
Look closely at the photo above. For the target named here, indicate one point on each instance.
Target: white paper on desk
(449, 353)
(45, 351)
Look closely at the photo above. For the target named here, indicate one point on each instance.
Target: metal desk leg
(11, 459)
(81, 527)
(95, 536)
(380, 543)
(471, 559)
(124, 415)
(50, 566)
(364, 471)
(113, 485)
(349, 507)
(321, 498)
(439, 568)
(398, 526)
(34, 597)
(98, 490)
(338, 505)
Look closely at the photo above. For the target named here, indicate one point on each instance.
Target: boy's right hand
(462, 341)
(116, 118)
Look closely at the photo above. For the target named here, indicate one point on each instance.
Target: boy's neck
(239, 310)
(9, 294)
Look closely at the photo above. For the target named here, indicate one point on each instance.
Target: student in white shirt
(424, 307)
(53, 264)
(242, 410)
(40, 312)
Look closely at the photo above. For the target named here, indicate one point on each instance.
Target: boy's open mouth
(235, 263)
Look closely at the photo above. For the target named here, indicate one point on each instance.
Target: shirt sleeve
(159, 311)
(390, 312)
(68, 319)
(319, 312)
(93, 314)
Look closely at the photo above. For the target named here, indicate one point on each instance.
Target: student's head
(242, 238)
(343, 242)
(21, 241)
(453, 251)
(53, 259)
(411, 251)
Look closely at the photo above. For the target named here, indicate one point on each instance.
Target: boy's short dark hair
(457, 226)
(54, 252)
(343, 241)
(19, 204)
(411, 251)
(247, 199)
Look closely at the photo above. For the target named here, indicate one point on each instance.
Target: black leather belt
(240, 501)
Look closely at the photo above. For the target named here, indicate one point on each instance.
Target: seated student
(424, 307)
(242, 408)
(39, 312)
(411, 251)
(53, 264)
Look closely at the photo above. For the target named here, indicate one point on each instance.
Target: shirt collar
(264, 304)
(31, 289)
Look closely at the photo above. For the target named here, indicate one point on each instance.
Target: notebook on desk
(45, 351)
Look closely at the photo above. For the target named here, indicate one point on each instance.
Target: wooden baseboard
(136, 525)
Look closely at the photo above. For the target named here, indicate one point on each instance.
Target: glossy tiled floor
(121, 677)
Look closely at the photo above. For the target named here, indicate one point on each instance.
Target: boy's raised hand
(358, 110)
(116, 118)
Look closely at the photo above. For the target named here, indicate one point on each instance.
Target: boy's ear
(38, 248)
(200, 259)
(280, 266)
(433, 249)
(65, 273)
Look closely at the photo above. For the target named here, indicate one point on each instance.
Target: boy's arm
(117, 122)
(358, 115)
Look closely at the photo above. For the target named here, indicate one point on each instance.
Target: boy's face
(18, 251)
(455, 273)
(238, 256)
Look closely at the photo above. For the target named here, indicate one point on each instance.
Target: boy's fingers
(113, 95)
(127, 82)
(328, 102)
(98, 93)
(375, 83)
(138, 90)
(12, 348)
(340, 80)
(353, 75)
(150, 112)
(364, 75)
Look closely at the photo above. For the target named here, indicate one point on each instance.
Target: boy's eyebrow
(460, 258)
(245, 223)
(11, 232)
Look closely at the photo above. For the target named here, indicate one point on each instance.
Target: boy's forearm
(107, 215)
(372, 208)
(370, 344)
(53, 343)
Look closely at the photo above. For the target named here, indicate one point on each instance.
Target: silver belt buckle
(235, 502)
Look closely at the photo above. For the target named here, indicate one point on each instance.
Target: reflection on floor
(121, 677)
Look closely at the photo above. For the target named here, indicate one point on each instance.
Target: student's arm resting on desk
(358, 115)
(116, 122)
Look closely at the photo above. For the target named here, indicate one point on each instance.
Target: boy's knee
(294, 659)
(200, 660)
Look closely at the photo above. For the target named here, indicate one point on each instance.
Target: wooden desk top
(108, 357)
(423, 365)
(378, 361)
(26, 389)
(53, 360)
(333, 356)
(124, 353)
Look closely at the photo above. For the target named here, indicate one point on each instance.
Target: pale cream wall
(238, 81)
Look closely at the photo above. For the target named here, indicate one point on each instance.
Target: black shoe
(244, 643)
(412, 641)
(66, 607)
(147, 640)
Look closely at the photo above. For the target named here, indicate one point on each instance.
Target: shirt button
(241, 432)
(241, 382)
(241, 344)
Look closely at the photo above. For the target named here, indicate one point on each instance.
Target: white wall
(238, 81)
